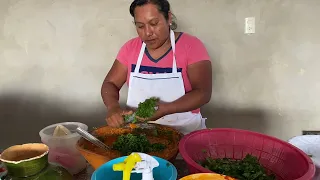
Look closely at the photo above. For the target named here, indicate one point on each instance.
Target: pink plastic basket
(279, 157)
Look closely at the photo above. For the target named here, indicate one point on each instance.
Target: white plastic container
(309, 144)
(62, 149)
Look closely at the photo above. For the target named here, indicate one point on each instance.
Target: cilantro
(204, 151)
(246, 169)
(129, 143)
(126, 118)
(146, 109)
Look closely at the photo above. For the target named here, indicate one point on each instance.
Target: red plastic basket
(279, 157)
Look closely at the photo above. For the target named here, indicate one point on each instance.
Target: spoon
(92, 139)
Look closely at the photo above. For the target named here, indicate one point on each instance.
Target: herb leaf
(129, 143)
(146, 109)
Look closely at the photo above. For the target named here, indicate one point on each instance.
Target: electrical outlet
(310, 132)
(249, 25)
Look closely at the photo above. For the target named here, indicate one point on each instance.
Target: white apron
(168, 87)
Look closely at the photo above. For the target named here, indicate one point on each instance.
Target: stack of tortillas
(61, 131)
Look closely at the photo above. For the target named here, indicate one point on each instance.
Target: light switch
(249, 25)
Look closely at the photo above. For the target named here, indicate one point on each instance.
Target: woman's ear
(170, 17)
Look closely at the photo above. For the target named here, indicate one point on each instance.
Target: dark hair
(163, 7)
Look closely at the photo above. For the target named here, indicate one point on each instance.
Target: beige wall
(54, 56)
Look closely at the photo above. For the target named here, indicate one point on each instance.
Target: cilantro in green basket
(246, 169)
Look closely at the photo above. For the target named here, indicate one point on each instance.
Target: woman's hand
(115, 116)
(161, 111)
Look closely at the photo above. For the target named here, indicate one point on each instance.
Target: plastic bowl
(165, 171)
(207, 176)
(279, 157)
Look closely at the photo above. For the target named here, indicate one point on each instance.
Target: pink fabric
(189, 50)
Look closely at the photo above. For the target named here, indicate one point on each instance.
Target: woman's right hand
(115, 116)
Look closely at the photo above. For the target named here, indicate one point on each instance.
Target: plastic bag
(309, 144)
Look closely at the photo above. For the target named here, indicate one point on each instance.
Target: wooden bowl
(97, 156)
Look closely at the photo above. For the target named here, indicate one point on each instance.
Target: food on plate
(248, 168)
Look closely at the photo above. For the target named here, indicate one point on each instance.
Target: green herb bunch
(146, 109)
(247, 169)
(126, 118)
(129, 143)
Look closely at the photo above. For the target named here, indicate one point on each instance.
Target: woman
(172, 66)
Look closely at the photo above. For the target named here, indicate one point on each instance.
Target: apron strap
(143, 47)
(173, 45)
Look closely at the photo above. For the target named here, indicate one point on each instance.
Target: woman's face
(151, 25)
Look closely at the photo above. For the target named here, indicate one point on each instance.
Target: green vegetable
(246, 169)
(146, 108)
(156, 132)
(129, 143)
(126, 118)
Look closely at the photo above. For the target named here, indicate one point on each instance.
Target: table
(178, 163)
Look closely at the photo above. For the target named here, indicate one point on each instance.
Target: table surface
(178, 163)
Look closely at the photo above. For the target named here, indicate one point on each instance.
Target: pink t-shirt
(189, 50)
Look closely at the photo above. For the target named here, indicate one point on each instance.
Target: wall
(54, 55)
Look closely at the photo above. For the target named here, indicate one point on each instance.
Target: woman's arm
(200, 76)
(112, 84)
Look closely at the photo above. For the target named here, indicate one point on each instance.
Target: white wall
(54, 55)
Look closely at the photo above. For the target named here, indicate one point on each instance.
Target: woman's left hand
(161, 111)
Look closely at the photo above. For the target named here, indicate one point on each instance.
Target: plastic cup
(62, 149)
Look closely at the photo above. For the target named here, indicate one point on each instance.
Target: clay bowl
(97, 156)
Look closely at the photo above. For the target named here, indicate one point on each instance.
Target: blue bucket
(165, 171)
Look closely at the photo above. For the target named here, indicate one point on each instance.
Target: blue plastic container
(165, 171)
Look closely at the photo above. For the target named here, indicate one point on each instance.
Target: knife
(132, 116)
